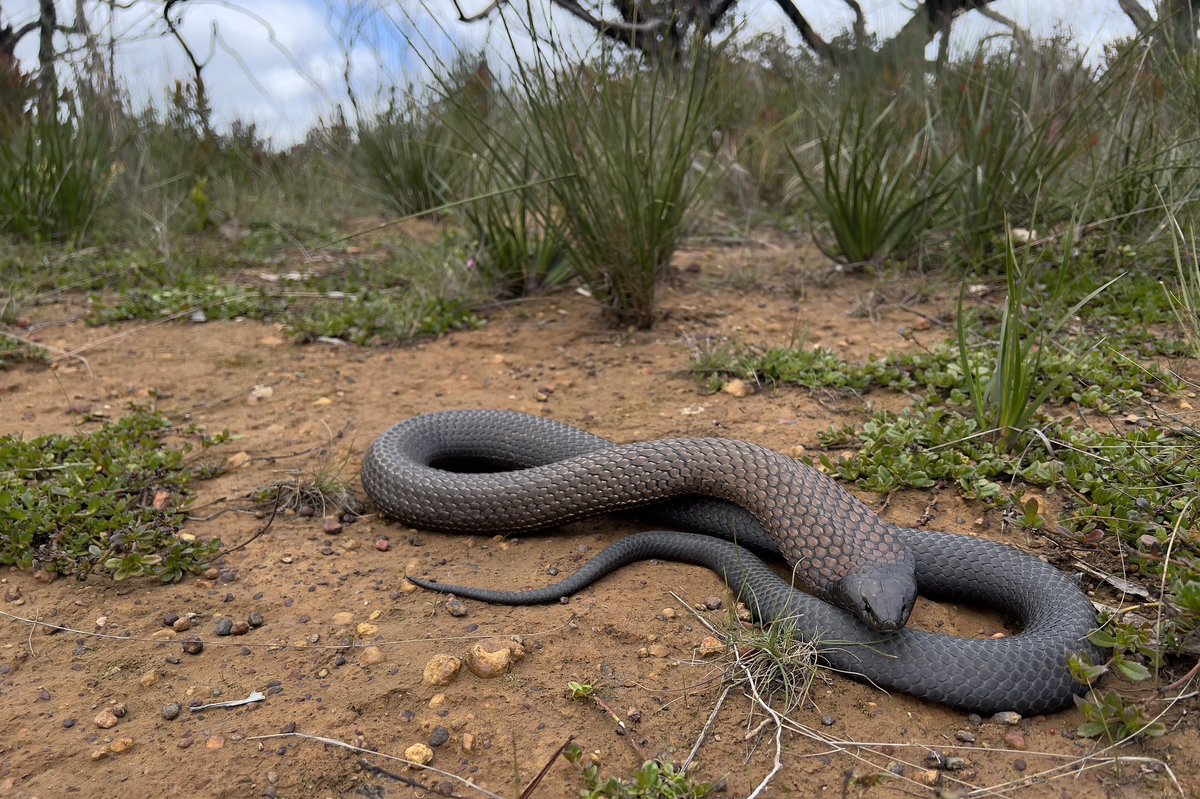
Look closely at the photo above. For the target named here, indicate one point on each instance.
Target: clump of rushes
(55, 174)
(1185, 298)
(625, 144)
(878, 190)
(1019, 123)
(95, 502)
(411, 156)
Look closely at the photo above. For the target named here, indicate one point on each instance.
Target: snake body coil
(840, 550)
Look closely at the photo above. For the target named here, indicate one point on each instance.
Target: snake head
(881, 597)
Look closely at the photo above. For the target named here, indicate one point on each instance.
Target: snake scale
(497, 471)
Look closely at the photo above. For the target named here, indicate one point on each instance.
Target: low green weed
(83, 503)
(653, 780)
(216, 299)
(14, 350)
(382, 319)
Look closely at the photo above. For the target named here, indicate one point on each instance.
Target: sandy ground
(627, 635)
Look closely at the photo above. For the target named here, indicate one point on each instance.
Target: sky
(282, 64)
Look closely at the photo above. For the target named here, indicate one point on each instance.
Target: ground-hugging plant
(92, 502)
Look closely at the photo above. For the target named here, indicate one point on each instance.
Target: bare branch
(813, 39)
(860, 21)
(1137, 14)
(1018, 33)
(488, 9)
(633, 27)
(47, 78)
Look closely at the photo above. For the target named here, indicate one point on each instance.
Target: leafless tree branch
(47, 78)
(822, 48)
(488, 9)
(860, 21)
(1018, 33)
(1137, 14)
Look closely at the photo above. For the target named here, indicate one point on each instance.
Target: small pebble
(974, 719)
(467, 742)
(1015, 739)
(1020, 765)
(215, 742)
(120, 745)
(493, 658)
(149, 678)
(438, 737)
(455, 606)
(441, 670)
(827, 721)
(1007, 717)
(371, 656)
(224, 627)
(382, 544)
(184, 742)
(332, 526)
(193, 647)
(964, 736)
(955, 763)
(420, 754)
(182, 625)
(240, 628)
(668, 613)
(255, 620)
(306, 511)
(170, 619)
(119, 710)
(171, 711)
(713, 602)
(105, 719)
(68, 723)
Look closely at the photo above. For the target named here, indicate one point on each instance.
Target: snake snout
(882, 599)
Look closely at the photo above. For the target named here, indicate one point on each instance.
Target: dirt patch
(548, 356)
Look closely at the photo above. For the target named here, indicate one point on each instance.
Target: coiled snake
(429, 472)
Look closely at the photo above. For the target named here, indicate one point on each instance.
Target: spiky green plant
(55, 173)
(1007, 400)
(878, 190)
(626, 143)
(411, 155)
(1016, 128)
